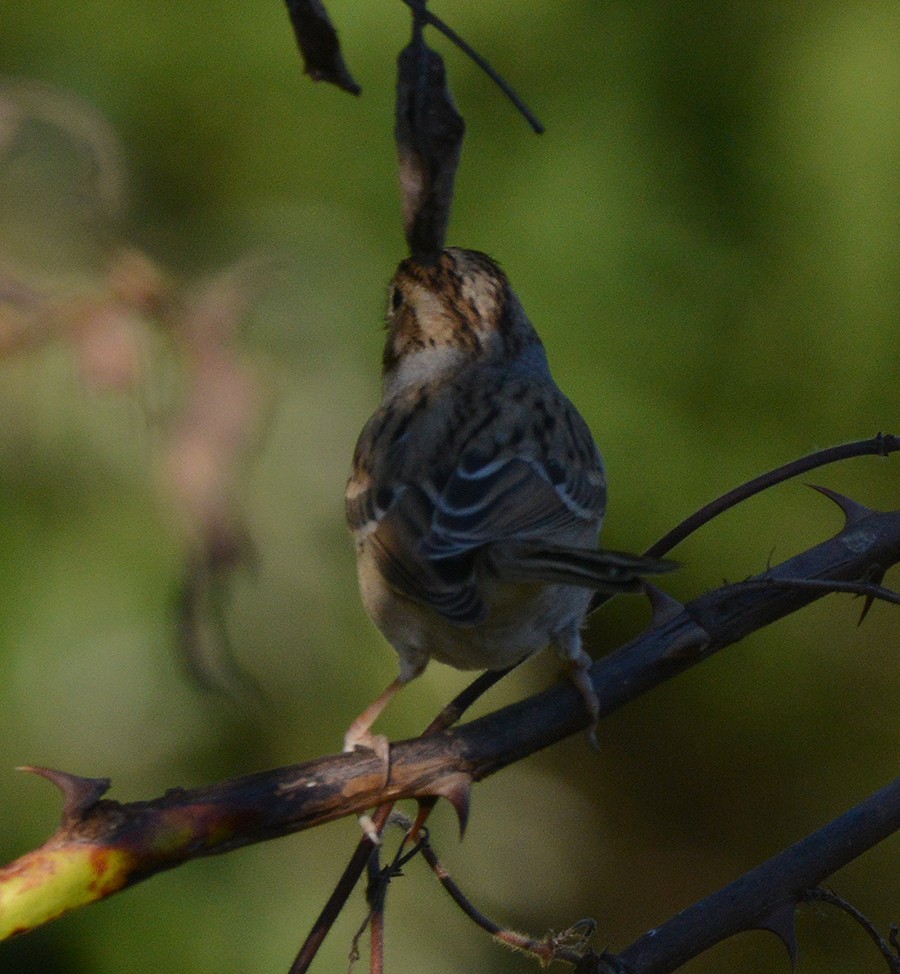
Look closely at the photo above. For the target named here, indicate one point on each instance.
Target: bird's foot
(355, 740)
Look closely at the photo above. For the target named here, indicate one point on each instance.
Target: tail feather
(599, 570)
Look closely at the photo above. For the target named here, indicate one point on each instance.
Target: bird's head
(449, 313)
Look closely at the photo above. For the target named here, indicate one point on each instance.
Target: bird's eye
(396, 298)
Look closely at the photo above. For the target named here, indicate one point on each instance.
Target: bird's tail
(599, 570)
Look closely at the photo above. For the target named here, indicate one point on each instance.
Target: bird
(477, 492)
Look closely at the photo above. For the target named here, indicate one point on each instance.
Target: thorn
(875, 575)
(865, 610)
(781, 922)
(457, 789)
(665, 607)
(853, 511)
(79, 794)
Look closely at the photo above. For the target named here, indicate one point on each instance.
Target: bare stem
(420, 10)
(891, 955)
(553, 947)
(880, 445)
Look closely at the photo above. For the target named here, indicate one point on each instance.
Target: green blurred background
(707, 237)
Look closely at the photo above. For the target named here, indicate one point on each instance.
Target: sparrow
(477, 492)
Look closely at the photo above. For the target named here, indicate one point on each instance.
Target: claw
(376, 743)
(368, 826)
(359, 733)
(380, 745)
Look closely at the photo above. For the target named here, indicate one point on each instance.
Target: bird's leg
(568, 643)
(359, 733)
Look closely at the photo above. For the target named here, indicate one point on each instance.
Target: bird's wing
(428, 506)
(510, 498)
(446, 585)
(389, 513)
(532, 474)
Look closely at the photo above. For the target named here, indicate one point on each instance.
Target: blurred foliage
(707, 237)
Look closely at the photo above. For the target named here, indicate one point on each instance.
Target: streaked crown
(443, 314)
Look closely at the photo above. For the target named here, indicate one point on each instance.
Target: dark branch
(868, 589)
(762, 898)
(225, 816)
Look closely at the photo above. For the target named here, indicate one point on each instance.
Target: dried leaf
(319, 45)
(429, 132)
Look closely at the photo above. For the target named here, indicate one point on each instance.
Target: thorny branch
(879, 445)
(765, 898)
(106, 845)
(141, 838)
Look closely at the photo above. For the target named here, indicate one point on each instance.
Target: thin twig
(376, 942)
(880, 445)
(828, 896)
(420, 10)
(553, 947)
(376, 895)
